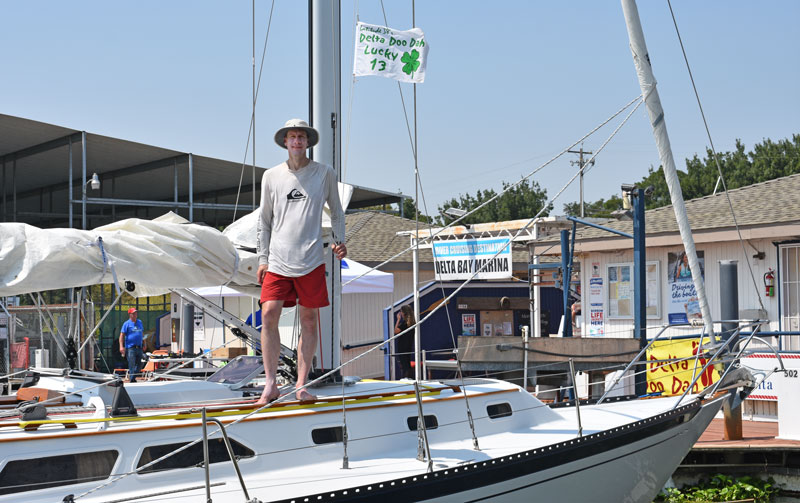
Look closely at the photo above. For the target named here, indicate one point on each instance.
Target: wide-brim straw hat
(280, 135)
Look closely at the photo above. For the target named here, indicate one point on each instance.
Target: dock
(759, 453)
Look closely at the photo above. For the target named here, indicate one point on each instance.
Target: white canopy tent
(356, 278)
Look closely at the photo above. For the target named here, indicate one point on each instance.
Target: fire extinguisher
(769, 282)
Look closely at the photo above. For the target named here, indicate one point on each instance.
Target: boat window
(431, 423)
(53, 471)
(327, 435)
(192, 456)
(498, 410)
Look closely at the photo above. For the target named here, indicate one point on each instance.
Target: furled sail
(656, 114)
(156, 255)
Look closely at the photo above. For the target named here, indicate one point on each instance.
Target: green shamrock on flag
(411, 61)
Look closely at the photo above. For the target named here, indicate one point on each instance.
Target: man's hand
(340, 250)
(262, 271)
(122, 350)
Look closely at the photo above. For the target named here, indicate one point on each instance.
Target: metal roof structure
(47, 172)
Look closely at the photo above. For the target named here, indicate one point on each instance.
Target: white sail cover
(647, 82)
(155, 255)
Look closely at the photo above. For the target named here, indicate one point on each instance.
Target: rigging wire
(716, 156)
(418, 186)
(252, 117)
(402, 99)
(510, 187)
(519, 231)
(531, 221)
(430, 313)
(648, 368)
(465, 283)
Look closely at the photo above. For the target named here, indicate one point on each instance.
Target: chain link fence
(45, 337)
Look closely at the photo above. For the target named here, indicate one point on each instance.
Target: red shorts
(311, 289)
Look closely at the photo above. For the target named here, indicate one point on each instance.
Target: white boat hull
(627, 452)
(629, 473)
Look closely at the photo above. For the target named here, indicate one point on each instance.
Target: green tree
(768, 160)
(409, 211)
(601, 208)
(523, 201)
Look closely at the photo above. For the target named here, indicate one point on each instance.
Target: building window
(620, 290)
(498, 410)
(790, 293)
(53, 471)
(431, 423)
(193, 456)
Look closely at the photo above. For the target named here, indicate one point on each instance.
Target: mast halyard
(647, 82)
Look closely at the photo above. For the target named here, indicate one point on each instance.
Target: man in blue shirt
(130, 343)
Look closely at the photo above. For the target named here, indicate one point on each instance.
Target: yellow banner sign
(673, 377)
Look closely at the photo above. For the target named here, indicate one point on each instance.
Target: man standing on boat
(290, 252)
(130, 343)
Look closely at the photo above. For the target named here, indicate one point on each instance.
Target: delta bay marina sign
(460, 259)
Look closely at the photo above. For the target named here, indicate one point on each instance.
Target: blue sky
(508, 85)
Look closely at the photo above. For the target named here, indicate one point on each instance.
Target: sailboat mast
(417, 337)
(325, 109)
(647, 82)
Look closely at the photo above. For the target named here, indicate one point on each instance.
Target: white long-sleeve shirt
(290, 223)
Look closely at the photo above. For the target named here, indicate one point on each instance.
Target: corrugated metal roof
(36, 166)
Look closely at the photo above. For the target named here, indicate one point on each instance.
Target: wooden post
(733, 421)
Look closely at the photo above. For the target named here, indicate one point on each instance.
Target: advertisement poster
(621, 288)
(596, 307)
(672, 378)
(620, 298)
(460, 259)
(199, 324)
(487, 329)
(683, 305)
(467, 324)
(653, 297)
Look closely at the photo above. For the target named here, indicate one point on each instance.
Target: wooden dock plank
(755, 435)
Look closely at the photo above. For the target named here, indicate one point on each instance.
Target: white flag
(399, 55)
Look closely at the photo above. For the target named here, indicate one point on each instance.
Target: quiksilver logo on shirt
(295, 195)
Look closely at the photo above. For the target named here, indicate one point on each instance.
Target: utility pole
(581, 165)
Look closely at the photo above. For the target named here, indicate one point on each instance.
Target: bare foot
(304, 396)
(270, 393)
